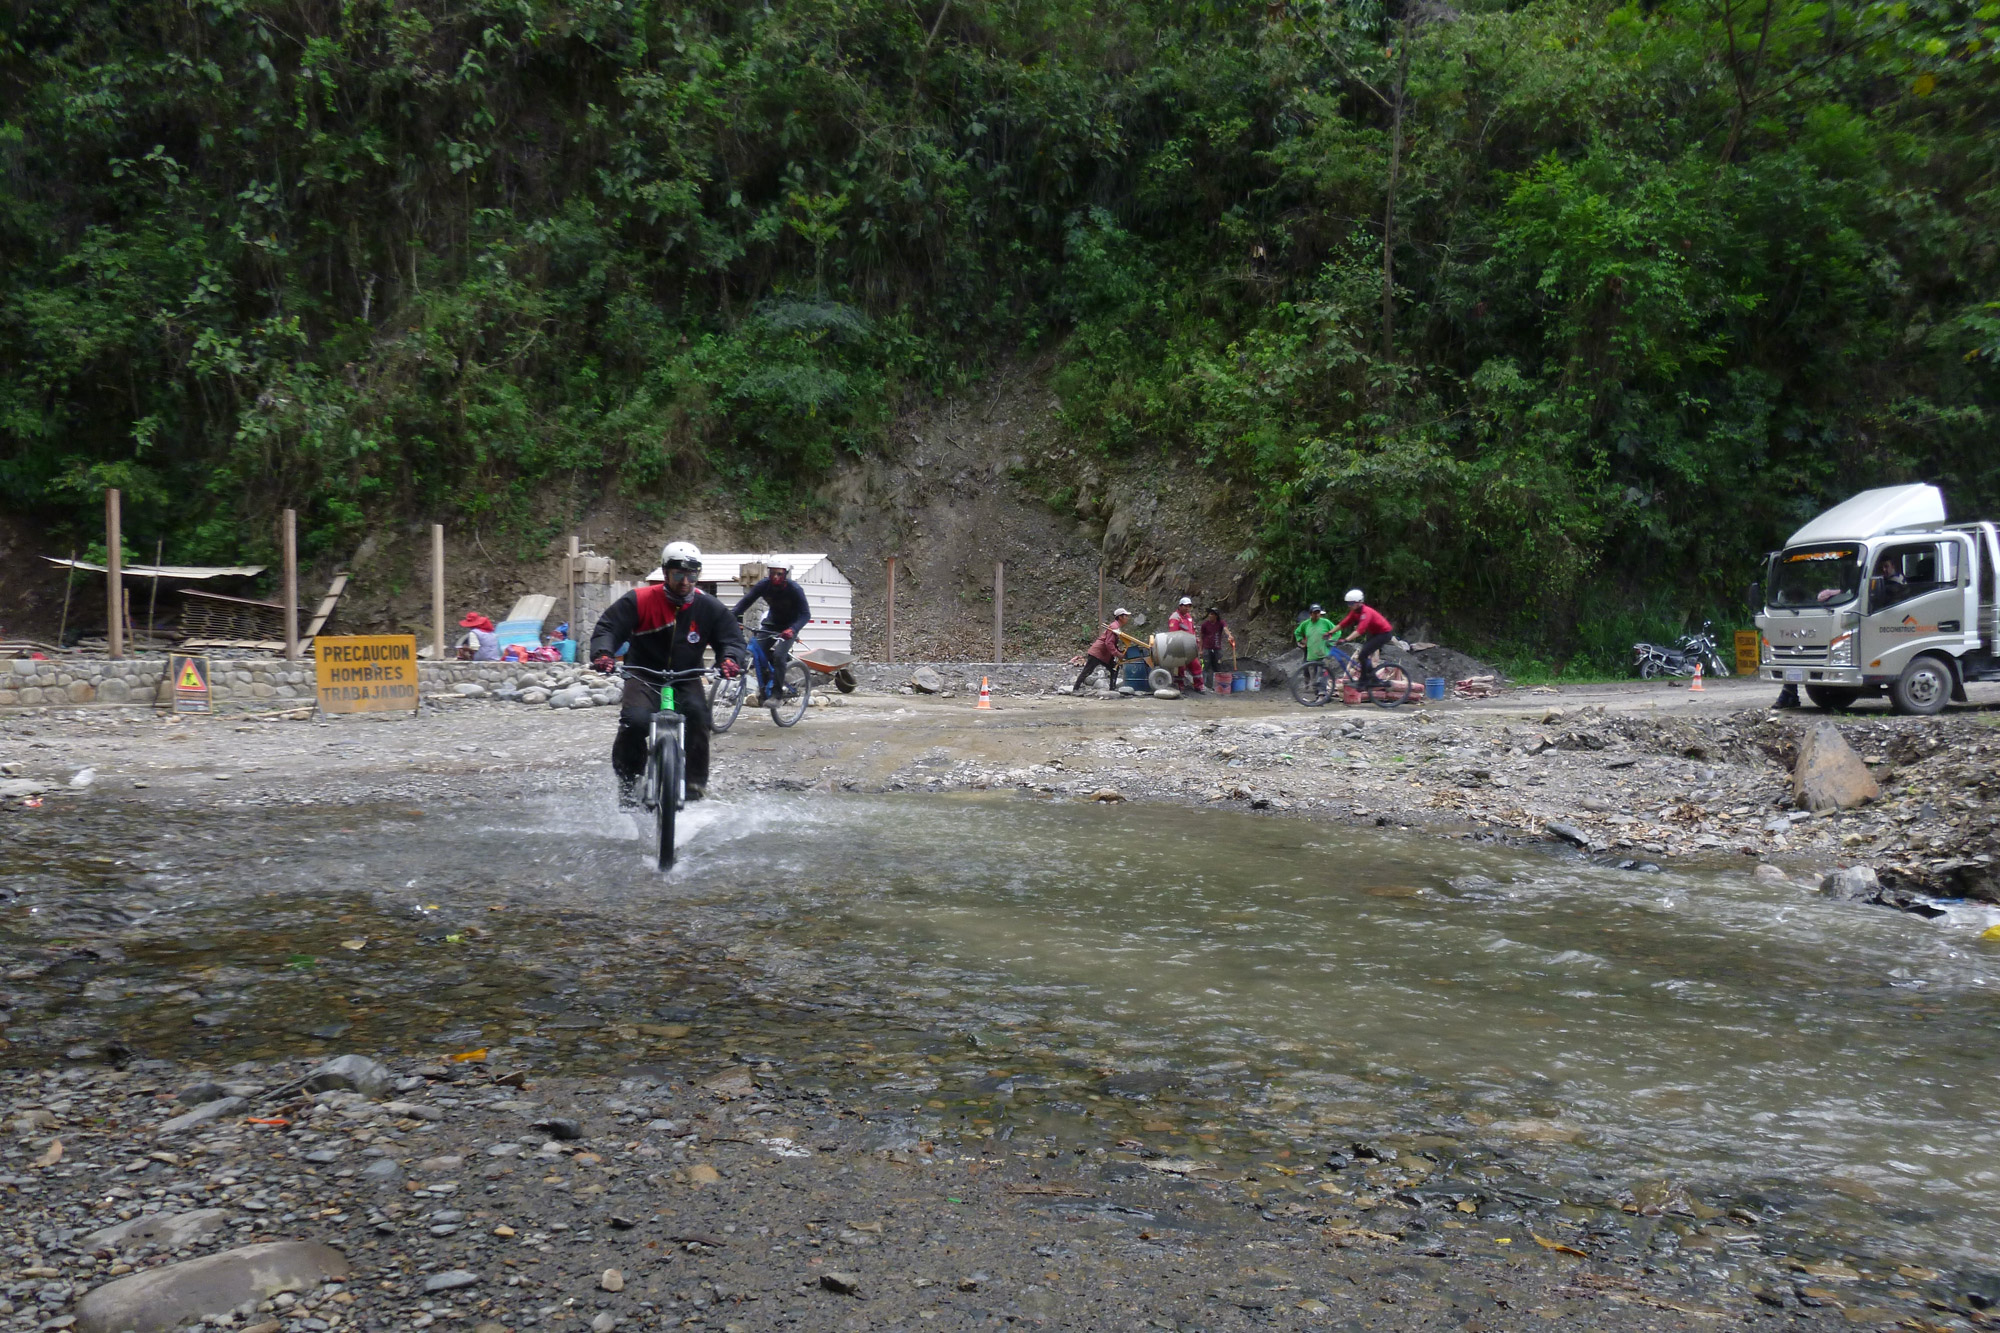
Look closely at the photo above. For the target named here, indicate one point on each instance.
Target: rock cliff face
(988, 476)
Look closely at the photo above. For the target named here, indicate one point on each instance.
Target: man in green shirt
(1313, 632)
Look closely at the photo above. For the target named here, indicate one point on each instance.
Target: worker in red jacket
(1183, 620)
(1103, 652)
(1364, 624)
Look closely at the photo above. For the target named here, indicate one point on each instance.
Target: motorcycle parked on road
(1679, 658)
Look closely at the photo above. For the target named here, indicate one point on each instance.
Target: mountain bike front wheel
(725, 701)
(794, 693)
(664, 785)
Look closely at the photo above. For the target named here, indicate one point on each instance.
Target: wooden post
(290, 537)
(69, 578)
(999, 607)
(1100, 596)
(889, 653)
(114, 576)
(153, 602)
(437, 591)
(575, 551)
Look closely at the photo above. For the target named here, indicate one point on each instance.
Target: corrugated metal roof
(188, 572)
(806, 568)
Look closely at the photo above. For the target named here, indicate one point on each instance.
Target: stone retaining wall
(251, 682)
(235, 682)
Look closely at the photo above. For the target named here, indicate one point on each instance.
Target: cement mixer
(1166, 652)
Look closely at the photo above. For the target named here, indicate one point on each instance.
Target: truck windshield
(1815, 576)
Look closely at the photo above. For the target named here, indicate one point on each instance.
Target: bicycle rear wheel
(788, 705)
(1392, 685)
(725, 701)
(663, 782)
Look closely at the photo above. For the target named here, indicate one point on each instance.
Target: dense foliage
(1535, 316)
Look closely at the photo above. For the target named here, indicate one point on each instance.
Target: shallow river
(1207, 984)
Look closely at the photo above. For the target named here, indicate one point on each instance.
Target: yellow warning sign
(1747, 643)
(190, 678)
(366, 673)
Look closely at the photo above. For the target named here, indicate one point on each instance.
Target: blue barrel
(1136, 672)
(1434, 687)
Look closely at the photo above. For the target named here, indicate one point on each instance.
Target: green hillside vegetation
(1658, 280)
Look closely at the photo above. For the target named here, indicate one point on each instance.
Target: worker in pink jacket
(1103, 652)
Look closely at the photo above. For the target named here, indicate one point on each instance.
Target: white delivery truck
(1880, 594)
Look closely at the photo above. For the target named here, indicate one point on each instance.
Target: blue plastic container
(1434, 687)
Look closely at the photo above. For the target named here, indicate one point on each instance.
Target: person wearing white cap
(1103, 652)
(1188, 675)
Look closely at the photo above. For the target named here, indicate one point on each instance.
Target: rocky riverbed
(465, 1195)
(726, 1189)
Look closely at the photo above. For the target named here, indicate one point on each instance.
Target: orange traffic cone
(985, 692)
(1695, 685)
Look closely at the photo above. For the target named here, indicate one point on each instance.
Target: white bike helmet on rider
(684, 559)
(1354, 597)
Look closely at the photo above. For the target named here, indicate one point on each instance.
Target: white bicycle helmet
(680, 555)
(1354, 595)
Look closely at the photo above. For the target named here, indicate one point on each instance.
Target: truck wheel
(1832, 698)
(1923, 688)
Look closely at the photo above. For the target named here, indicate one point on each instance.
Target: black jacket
(664, 639)
(784, 608)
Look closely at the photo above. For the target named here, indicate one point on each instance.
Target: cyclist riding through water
(1371, 628)
(669, 626)
(785, 616)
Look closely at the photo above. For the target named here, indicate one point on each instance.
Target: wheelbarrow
(1166, 653)
(830, 662)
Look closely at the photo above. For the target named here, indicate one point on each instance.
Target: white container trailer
(828, 593)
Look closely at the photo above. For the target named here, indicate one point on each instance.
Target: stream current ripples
(1739, 1072)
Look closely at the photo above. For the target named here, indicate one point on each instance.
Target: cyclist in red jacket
(1370, 627)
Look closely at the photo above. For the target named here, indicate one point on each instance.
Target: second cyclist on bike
(786, 615)
(1369, 628)
(669, 627)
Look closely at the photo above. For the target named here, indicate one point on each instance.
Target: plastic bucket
(1256, 680)
(1434, 687)
(1239, 683)
(1221, 681)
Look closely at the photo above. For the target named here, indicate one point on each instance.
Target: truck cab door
(1916, 601)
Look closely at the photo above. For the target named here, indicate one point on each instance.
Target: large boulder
(201, 1115)
(926, 681)
(168, 1231)
(1852, 884)
(370, 1078)
(159, 1299)
(1829, 775)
